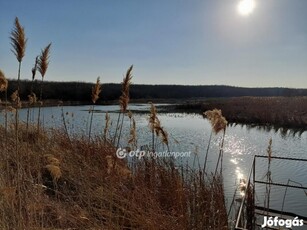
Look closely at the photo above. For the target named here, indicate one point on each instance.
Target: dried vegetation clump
(218, 122)
(56, 183)
(3, 82)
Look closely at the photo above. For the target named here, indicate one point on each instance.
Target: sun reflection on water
(234, 161)
(236, 148)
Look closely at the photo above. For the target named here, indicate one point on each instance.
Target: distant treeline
(80, 91)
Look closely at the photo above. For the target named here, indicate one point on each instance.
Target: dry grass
(82, 185)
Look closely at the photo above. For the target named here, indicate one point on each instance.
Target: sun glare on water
(246, 7)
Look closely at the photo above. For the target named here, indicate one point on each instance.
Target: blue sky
(194, 42)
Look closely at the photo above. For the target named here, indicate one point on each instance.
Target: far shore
(284, 112)
(279, 112)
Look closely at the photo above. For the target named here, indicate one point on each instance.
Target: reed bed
(280, 112)
(289, 112)
(82, 185)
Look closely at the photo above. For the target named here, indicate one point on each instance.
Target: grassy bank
(51, 182)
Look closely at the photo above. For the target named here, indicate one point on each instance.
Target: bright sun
(246, 7)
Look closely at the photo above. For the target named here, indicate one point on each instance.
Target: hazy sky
(200, 42)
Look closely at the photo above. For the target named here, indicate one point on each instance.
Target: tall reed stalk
(162, 133)
(207, 152)
(32, 96)
(221, 151)
(96, 90)
(132, 141)
(65, 125)
(123, 102)
(152, 121)
(18, 42)
(157, 129)
(218, 123)
(42, 66)
(106, 127)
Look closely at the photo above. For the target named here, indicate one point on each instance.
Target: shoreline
(274, 112)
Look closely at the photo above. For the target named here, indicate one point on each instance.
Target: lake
(190, 133)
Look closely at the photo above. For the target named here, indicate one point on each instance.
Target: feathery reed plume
(18, 40)
(52, 160)
(218, 122)
(43, 60)
(161, 132)
(123, 101)
(42, 66)
(155, 126)
(125, 97)
(53, 167)
(96, 90)
(54, 171)
(15, 98)
(32, 98)
(164, 135)
(3, 82)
